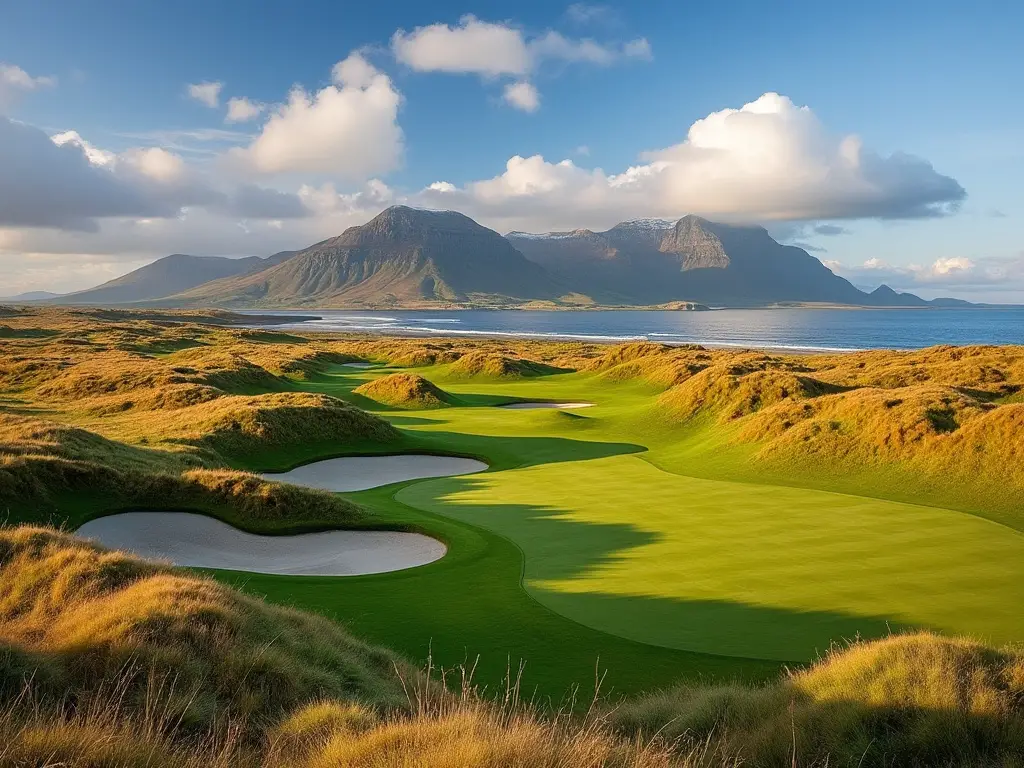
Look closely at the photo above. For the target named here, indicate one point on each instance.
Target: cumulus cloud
(253, 202)
(499, 49)
(492, 49)
(64, 182)
(470, 46)
(93, 154)
(349, 129)
(45, 184)
(14, 81)
(206, 93)
(944, 274)
(241, 110)
(766, 161)
(522, 95)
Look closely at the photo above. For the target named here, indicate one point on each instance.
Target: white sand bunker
(358, 473)
(358, 365)
(531, 406)
(201, 542)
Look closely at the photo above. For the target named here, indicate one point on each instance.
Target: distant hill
(164, 277)
(30, 296)
(409, 257)
(402, 256)
(653, 261)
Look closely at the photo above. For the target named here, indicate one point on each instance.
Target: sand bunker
(358, 365)
(531, 406)
(357, 473)
(202, 542)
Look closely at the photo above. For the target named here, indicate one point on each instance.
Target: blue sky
(604, 86)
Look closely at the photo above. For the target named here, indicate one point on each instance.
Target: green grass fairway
(737, 568)
(609, 539)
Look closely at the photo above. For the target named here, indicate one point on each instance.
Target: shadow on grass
(559, 549)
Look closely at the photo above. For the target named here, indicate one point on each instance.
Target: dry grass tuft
(498, 366)
(909, 700)
(406, 390)
(88, 614)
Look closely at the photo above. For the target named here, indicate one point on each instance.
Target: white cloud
(241, 110)
(523, 95)
(94, 155)
(471, 46)
(555, 46)
(639, 48)
(947, 274)
(327, 202)
(348, 130)
(354, 71)
(44, 184)
(767, 161)
(586, 13)
(493, 50)
(207, 93)
(443, 186)
(14, 81)
(156, 163)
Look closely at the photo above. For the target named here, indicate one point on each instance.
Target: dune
(198, 541)
(359, 473)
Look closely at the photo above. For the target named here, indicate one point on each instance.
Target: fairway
(736, 568)
(616, 534)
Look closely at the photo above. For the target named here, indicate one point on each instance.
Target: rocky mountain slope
(402, 256)
(167, 276)
(408, 257)
(654, 261)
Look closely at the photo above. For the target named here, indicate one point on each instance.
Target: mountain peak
(884, 290)
(645, 224)
(699, 247)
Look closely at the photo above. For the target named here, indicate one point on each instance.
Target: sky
(885, 138)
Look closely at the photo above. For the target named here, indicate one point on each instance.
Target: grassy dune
(716, 513)
(111, 661)
(405, 390)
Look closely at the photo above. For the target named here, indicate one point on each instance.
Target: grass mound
(406, 390)
(86, 615)
(733, 391)
(497, 366)
(918, 700)
(236, 426)
(44, 465)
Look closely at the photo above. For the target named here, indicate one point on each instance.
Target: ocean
(822, 330)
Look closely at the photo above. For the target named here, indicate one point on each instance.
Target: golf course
(619, 534)
(807, 547)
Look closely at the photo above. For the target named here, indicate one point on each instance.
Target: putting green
(736, 568)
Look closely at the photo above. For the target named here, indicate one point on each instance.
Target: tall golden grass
(405, 390)
(107, 660)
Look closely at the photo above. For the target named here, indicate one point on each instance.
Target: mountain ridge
(413, 257)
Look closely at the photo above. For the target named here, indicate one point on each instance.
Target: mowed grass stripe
(739, 568)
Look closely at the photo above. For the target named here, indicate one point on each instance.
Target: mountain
(169, 275)
(652, 261)
(884, 296)
(402, 256)
(30, 296)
